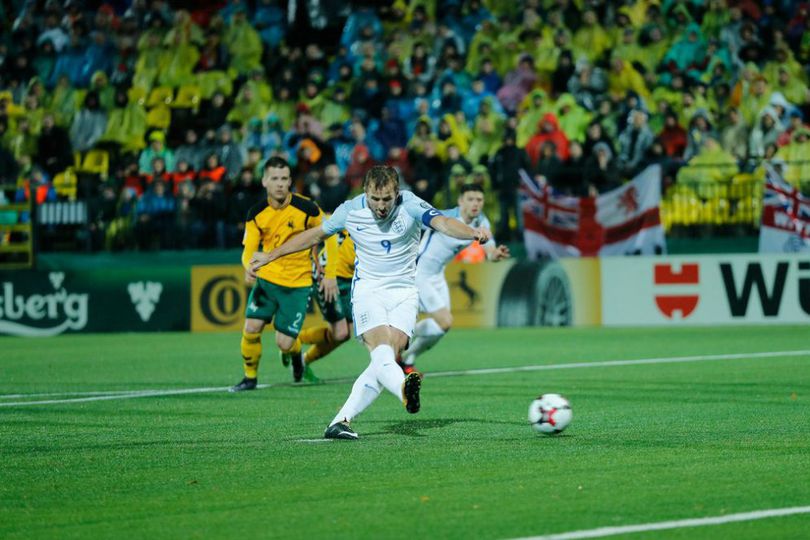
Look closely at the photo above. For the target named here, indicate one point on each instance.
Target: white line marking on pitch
(676, 524)
(611, 363)
(130, 394)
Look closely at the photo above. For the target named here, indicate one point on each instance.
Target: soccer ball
(550, 414)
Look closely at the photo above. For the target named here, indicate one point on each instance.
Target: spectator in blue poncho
(688, 54)
(98, 56)
(70, 62)
(270, 22)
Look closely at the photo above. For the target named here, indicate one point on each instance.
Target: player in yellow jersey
(280, 290)
(333, 294)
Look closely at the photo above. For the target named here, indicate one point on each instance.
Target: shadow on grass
(415, 427)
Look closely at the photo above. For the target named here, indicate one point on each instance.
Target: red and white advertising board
(717, 289)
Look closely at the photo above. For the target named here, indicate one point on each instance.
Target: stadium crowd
(161, 118)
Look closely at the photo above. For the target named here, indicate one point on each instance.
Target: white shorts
(397, 307)
(433, 292)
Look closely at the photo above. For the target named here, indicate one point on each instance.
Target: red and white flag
(785, 226)
(624, 221)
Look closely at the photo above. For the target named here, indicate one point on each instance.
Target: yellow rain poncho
(244, 44)
(457, 137)
(573, 119)
(531, 111)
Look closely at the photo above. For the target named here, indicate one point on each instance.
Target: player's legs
(325, 338)
(382, 372)
(251, 347)
(288, 321)
(427, 333)
(288, 344)
(384, 324)
(261, 308)
(434, 299)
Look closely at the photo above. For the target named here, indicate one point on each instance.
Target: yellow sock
(251, 353)
(314, 335)
(319, 351)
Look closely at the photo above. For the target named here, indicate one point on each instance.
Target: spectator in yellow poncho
(246, 107)
(591, 40)
(797, 159)
(335, 110)
(151, 57)
(755, 100)
(784, 60)
(794, 90)
(126, 124)
(715, 19)
(260, 87)
(422, 136)
(106, 93)
(64, 102)
(21, 141)
(33, 113)
(573, 119)
(531, 111)
(487, 133)
(711, 165)
(181, 51)
(450, 133)
(283, 108)
(624, 77)
(244, 43)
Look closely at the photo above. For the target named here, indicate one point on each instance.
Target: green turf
(648, 442)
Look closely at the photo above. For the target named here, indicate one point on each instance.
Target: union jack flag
(785, 223)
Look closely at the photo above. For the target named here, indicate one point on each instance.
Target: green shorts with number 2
(285, 307)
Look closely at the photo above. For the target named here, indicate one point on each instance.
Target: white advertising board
(716, 289)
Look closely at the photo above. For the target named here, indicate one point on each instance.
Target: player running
(281, 290)
(385, 226)
(435, 252)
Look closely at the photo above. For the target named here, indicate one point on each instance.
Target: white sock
(388, 372)
(426, 334)
(364, 391)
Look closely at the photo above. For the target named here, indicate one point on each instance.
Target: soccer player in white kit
(385, 226)
(435, 252)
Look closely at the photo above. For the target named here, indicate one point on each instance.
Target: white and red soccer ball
(550, 414)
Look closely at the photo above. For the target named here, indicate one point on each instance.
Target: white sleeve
(337, 221)
(418, 209)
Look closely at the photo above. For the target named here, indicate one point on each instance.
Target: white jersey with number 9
(386, 249)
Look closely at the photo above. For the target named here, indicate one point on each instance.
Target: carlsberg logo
(60, 309)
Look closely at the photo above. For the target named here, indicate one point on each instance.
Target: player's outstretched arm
(456, 229)
(299, 242)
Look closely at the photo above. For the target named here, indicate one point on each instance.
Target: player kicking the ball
(435, 252)
(385, 226)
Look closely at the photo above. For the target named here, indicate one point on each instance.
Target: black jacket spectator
(53, 147)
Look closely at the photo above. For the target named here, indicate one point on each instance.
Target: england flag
(624, 221)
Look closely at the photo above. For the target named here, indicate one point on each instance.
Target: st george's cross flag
(623, 221)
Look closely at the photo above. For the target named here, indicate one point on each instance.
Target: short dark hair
(380, 176)
(277, 162)
(471, 187)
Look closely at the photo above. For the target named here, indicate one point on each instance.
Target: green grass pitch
(648, 443)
